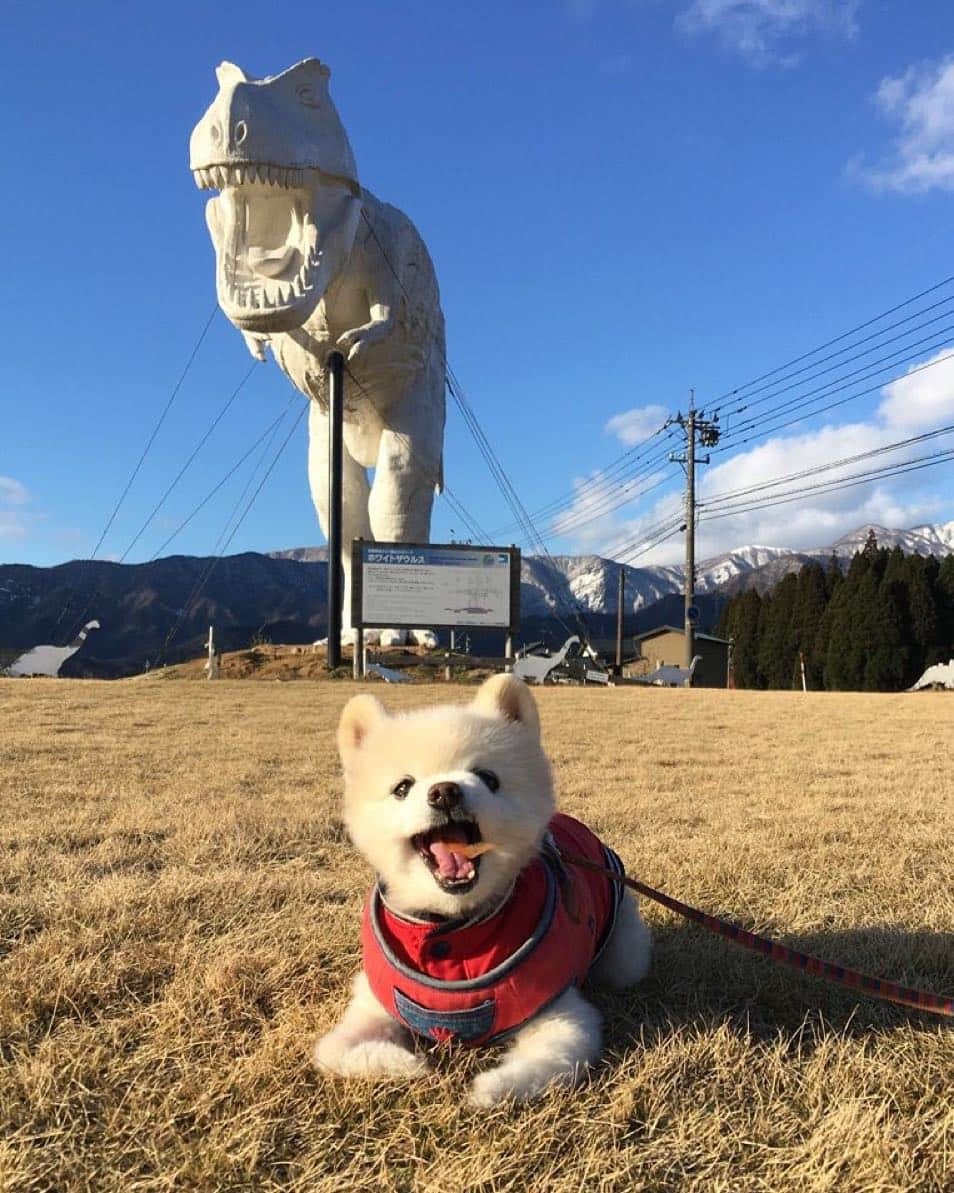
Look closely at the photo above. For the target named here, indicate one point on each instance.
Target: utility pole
(689, 604)
(620, 598)
(705, 431)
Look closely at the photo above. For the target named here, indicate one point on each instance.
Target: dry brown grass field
(179, 914)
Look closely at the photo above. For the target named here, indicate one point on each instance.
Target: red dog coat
(477, 981)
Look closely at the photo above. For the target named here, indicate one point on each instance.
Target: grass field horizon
(179, 916)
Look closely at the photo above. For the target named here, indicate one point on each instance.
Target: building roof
(671, 629)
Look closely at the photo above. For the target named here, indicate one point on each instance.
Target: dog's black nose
(444, 795)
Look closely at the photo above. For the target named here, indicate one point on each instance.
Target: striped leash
(841, 975)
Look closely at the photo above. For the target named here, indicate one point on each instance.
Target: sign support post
(335, 368)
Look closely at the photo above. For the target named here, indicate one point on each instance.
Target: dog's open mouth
(452, 870)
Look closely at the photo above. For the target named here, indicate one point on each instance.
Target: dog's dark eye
(488, 778)
(400, 790)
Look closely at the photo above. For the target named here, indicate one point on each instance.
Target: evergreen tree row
(874, 629)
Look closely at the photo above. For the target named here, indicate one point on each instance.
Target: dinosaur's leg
(407, 472)
(354, 500)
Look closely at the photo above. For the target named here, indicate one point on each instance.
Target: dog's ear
(508, 697)
(358, 717)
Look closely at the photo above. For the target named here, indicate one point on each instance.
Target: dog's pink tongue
(449, 863)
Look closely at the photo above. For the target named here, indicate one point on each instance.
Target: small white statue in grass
(308, 262)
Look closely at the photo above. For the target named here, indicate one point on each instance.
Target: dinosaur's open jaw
(267, 241)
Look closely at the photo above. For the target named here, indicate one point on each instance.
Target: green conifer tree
(811, 600)
(924, 618)
(845, 624)
(886, 658)
(945, 600)
(744, 630)
(778, 647)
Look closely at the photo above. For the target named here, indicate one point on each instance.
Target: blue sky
(623, 200)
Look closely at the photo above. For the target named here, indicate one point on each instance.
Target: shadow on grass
(700, 980)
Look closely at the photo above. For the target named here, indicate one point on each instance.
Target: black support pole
(335, 460)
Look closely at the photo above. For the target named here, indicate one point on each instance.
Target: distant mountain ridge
(282, 597)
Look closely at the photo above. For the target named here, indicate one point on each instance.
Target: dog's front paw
(516, 1083)
(370, 1058)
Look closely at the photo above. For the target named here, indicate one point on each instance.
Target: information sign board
(431, 585)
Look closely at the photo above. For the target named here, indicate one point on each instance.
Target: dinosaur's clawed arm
(255, 344)
(358, 339)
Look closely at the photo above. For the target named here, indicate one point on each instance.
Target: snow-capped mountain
(590, 582)
(560, 582)
(713, 573)
(283, 597)
(921, 540)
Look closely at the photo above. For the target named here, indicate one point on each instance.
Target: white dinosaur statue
(47, 660)
(307, 262)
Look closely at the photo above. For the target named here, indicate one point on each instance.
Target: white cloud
(12, 492)
(591, 520)
(16, 520)
(633, 426)
(13, 526)
(762, 30)
(921, 103)
(914, 403)
(923, 399)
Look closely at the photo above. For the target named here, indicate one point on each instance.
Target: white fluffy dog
(481, 927)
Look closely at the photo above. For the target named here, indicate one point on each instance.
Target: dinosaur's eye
(400, 790)
(306, 95)
(488, 778)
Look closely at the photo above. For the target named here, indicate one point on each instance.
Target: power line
(182, 471)
(253, 473)
(610, 502)
(838, 384)
(271, 428)
(155, 431)
(734, 442)
(837, 339)
(647, 543)
(767, 397)
(621, 466)
(494, 465)
(915, 464)
(479, 534)
(452, 500)
(139, 463)
(200, 585)
(727, 495)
